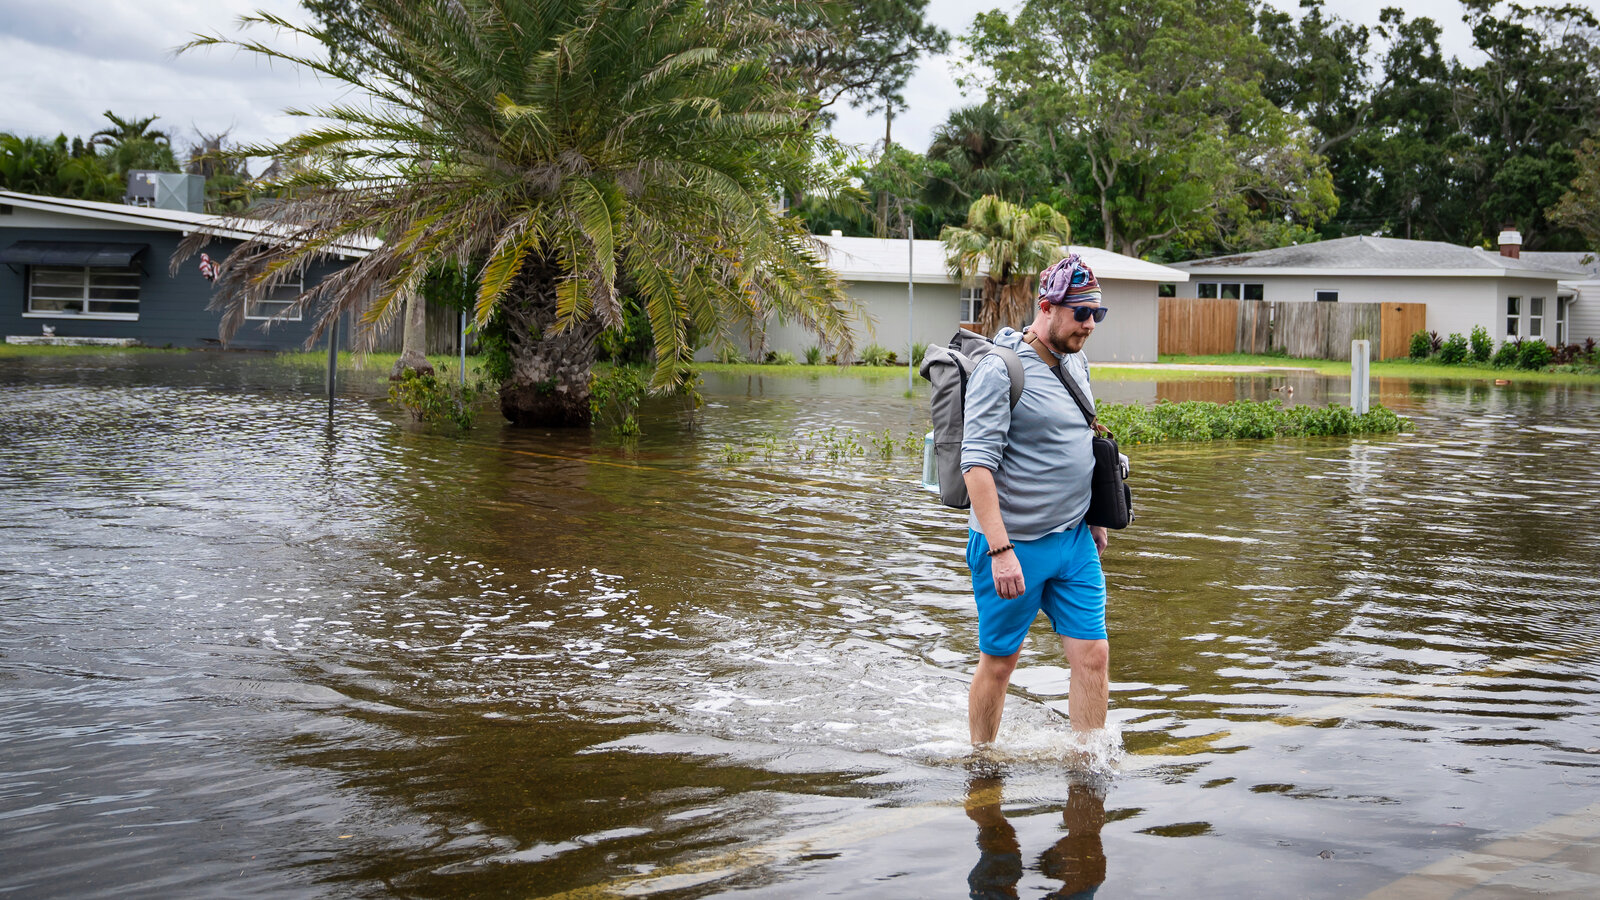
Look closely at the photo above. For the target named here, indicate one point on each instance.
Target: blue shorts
(1061, 575)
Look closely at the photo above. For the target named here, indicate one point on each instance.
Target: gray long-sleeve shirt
(1040, 452)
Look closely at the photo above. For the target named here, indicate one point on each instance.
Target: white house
(1508, 293)
(908, 297)
(1578, 300)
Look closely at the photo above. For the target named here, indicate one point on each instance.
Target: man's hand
(1007, 571)
(1101, 539)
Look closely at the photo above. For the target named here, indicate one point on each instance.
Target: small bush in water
(813, 355)
(434, 400)
(1195, 420)
(614, 398)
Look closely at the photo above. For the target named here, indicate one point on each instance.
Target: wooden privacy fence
(1196, 327)
(1305, 330)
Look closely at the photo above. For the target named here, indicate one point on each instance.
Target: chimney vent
(1510, 242)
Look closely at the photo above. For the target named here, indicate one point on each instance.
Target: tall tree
(1533, 100)
(1009, 245)
(569, 145)
(1579, 208)
(864, 52)
(1162, 100)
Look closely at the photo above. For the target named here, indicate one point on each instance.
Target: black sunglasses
(1082, 313)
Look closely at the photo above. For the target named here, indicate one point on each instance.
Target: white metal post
(911, 317)
(1360, 376)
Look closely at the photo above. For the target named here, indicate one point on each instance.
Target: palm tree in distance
(975, 141)
(127, 131)
(569, 151)
(1010, 245)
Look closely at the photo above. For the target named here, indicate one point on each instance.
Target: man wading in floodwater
(1027, 471)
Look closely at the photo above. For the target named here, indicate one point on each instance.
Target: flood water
(242, 654)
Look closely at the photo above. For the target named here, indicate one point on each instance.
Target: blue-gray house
(85, 269)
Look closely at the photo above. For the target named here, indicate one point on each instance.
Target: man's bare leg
(987, 698)
(1089, 693)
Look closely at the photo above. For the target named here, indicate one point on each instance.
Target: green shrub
(1420, 345)
(1508, 354)
(728, 354)
(614, 398)
(1454, 351)
(1534, 355)
(813, 355)
(918, 351)
(1482, 346)
(780, 358)
(876, 355)
(436, 400)
(1195, 420)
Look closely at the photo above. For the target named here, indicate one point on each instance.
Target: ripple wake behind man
(1028, 472)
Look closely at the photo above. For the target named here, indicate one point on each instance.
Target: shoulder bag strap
(1070, 383)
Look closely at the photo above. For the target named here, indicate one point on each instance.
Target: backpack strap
(1013, 372)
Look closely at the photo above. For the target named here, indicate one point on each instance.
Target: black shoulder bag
(1110, 501)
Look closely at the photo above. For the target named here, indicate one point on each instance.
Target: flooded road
(245, 655)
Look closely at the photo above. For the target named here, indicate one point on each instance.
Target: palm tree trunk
(549, 383)
(414, 339)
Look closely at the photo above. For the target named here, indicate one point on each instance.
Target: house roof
(238, 227)
(1366, 255)
(883, 259)
(1581, 261)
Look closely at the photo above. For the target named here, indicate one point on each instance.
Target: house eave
(226, 227)
(1324, 272)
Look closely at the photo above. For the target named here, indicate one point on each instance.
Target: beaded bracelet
(1001, 549)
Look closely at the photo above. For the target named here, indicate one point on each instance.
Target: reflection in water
(1077, 860)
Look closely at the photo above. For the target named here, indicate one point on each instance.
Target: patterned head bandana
(1069, 281)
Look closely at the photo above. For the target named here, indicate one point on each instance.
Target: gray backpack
(947, 369)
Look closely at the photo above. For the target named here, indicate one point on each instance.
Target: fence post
(1360, 376)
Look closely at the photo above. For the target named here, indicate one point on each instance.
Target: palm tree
(127, 131)
(1010, 245)
(976, 142)
(564, 149)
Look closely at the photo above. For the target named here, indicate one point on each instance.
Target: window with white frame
(1255, 292)
(277, 303)
(1536, 317)
(1513, 315)
(971, 303)
(1327, 296)
(1563, 304)
(84, 292)
(1206, 290)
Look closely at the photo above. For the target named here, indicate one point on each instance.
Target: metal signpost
(911, 318)
(1360, 376)
(333, 364)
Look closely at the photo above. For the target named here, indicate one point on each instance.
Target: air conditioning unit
(166, 190)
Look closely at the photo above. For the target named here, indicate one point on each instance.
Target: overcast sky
(66, 61)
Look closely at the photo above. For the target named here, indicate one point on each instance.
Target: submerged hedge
(1196, 420)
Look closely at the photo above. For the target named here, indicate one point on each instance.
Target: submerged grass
(1196, 420)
